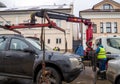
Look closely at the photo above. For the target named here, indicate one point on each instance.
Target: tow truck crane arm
(89, 30)
(5, 27)
(49, 14)
(69, 18)
(29, 25)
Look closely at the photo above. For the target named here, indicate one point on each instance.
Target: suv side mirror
(29, 50)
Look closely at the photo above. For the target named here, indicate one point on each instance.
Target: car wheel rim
(49, 79)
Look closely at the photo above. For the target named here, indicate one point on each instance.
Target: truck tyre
(52, 78)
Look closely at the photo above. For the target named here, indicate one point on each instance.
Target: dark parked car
(22, 57)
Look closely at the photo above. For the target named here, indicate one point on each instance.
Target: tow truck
(111, 45)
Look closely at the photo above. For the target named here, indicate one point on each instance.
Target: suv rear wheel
(51, 78)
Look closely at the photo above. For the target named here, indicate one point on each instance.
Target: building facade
(53, 37)
(106, 16)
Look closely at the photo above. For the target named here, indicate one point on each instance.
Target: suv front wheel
(51, 78)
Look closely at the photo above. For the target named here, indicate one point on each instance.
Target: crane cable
(44, 72)
(65, 42)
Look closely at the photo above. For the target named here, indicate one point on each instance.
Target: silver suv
(113, 71)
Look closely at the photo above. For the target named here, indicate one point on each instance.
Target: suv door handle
(6, 57)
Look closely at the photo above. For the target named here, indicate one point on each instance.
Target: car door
(3, 42)
(16, 60)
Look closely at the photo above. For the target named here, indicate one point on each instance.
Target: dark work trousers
(102, 64)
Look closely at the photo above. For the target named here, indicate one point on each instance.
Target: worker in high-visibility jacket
(102, 59)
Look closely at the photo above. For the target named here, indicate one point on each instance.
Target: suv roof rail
(12, 35)
(33, 37)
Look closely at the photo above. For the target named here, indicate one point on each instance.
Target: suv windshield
(37, 44)
(114, 42)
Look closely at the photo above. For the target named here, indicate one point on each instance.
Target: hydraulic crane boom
(69, 18)
(49, 14)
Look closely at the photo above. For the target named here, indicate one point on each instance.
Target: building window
(1, 22)
(48, 41)
(101, 27)
(107, 6)
(108, 27)
(26, 21)
(58, 22)
(68, 25)
(94, 28)
(8, 22)
(115, 27)
(58, 41)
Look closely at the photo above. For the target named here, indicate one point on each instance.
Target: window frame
(94, 28)
(101, 27)
(48, 41)
(8, 22)
(107, 7)
(58, 22)
(58, 40)
(115, 27)
(1, 22)
(108, 27)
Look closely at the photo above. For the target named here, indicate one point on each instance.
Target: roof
(37, 7)
(103, 10)
(100, 10)
(2, 5)
(104, 1)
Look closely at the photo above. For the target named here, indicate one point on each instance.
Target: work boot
(103, 74)
(99, 75)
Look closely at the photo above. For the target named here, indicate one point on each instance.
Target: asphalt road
(86, 77)
(4, 80)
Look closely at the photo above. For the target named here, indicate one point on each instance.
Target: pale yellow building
(106, 16)
(53, 37)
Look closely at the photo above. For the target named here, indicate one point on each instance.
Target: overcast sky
(78, 4)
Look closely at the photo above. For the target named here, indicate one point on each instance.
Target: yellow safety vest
(55, 49)
(102, 53)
